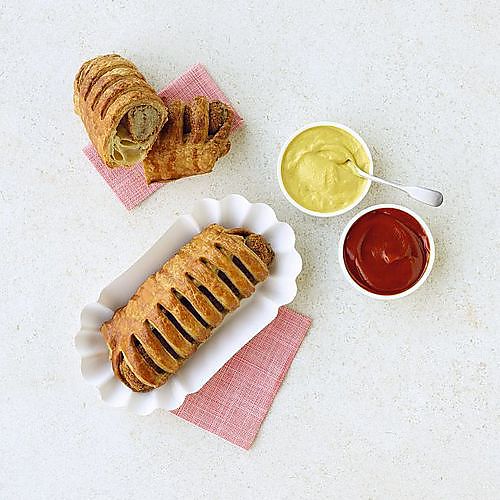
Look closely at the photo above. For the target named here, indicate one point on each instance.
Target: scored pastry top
(194, 138)
(120, 110)
(176, 309)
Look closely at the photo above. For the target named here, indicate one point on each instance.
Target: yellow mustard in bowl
(314, 170)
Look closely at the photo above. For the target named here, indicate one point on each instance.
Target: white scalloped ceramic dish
(235, 331)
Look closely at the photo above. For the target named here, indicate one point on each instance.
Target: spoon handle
(362, 173)
(425, 195)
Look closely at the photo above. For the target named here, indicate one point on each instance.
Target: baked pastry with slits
(120, 110)
(194, 138)
(176, 309)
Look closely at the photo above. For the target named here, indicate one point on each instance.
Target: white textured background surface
(384, 400)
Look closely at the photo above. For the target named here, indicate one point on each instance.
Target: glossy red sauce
(386, 251)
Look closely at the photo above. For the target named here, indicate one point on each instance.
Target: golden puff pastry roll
(194, 138)
(176, 309)
(121, 112)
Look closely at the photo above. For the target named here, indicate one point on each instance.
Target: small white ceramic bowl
(312, 212)
(418, 284)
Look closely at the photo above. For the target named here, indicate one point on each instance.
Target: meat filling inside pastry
(176, 309)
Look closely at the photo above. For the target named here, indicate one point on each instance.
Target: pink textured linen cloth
(235, 401)
(129, 184)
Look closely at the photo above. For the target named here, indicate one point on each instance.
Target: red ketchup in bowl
(386, 251)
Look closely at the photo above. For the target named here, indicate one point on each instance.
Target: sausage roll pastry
(176, 309)
(194, 138)
(120, 110)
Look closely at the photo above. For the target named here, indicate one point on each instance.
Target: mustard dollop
(314, 172)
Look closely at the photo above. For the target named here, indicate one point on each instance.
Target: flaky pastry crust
(120, 110)
(176, 309)
(194, 138)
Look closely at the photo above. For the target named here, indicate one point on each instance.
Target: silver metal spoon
(425, 195)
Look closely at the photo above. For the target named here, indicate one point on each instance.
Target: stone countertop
(384, 399)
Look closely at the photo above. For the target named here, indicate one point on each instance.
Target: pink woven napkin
(235, 401)
(128, 183)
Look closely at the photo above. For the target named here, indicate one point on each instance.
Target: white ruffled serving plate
(235, 331)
